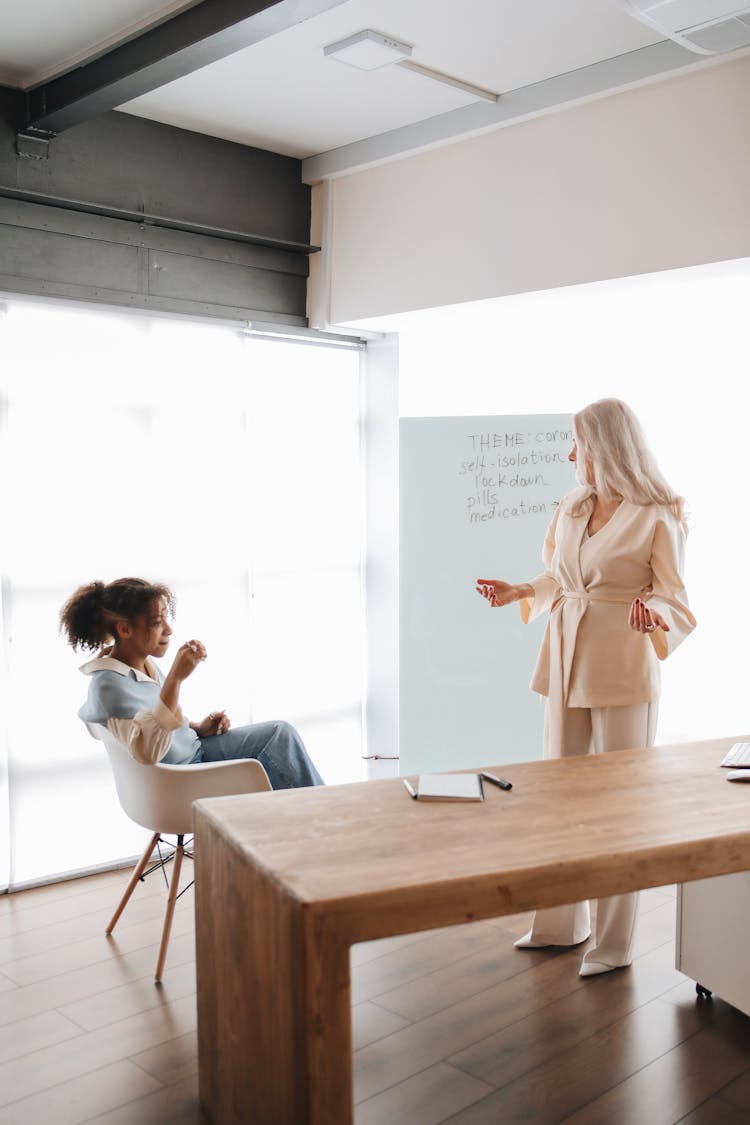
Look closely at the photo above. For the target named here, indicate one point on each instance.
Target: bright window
(674, 346)
(190, 453)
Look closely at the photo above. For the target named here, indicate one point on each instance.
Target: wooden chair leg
(131, 885)
(173, 888)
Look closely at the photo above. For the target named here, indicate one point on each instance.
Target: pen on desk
(499, 781)
(410, 788)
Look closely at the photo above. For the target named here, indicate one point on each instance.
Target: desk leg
(274, 1005)
(328, 1024)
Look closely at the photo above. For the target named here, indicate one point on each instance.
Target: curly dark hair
(90, 615)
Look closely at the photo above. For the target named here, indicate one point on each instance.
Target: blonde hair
(609, 436)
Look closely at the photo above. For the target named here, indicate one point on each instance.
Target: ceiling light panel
(368, 50)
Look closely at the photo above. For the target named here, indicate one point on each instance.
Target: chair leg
(131, 885)
(173, 888)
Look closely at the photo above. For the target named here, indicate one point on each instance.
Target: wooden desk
(288, 881)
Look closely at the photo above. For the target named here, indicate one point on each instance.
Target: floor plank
(91, 1050)
(370, 1022)
(737, 1093)
(373, 950)
(399, 967)
(92, 980)
(79, 954)
(94, 1092)
(175, 1105)
(26, 910)
(439, 1036)
(43, 1030)
(109, 1005)
(671, 1083)
(450, 1025)
(424, 1099)
(552, 1030)
(577, 1077)
(45, 938)
(6, 984)
(714, 1111)
(172, 1061)
(468, 976)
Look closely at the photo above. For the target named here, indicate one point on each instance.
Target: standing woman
(612, 581)
(129, 695)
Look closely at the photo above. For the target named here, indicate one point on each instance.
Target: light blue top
(129, 703)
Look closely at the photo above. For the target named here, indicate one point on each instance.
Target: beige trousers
(593, 731)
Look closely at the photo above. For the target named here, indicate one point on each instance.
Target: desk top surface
(643, 817)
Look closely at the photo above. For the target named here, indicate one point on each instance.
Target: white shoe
(593, 968)
(527, 942)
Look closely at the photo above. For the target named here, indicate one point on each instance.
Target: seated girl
(129, 695)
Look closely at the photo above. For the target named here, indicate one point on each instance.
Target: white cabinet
(713, 928)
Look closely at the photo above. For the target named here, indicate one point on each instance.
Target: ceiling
(283, 94)
(45, 38)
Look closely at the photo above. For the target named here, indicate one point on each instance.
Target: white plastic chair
(160, 798)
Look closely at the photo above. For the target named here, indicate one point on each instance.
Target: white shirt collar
(103, 661)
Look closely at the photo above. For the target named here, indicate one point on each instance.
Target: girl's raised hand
(187, 658)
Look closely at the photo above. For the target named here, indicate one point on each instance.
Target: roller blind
(188, 453)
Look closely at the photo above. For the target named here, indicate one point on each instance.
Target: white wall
(649, 179)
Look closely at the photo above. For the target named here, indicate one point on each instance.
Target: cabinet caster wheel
(702, 993)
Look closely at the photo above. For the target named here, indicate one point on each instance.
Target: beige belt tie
(562, 650)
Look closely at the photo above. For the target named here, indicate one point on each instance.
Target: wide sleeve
(668, 596)
(148, 735)
(545, 586)
(134, 713)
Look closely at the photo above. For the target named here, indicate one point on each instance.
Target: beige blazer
(589, 656)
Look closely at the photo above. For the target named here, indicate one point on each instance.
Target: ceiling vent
(708, 27)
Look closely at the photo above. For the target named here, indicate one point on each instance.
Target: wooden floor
(450, 1026)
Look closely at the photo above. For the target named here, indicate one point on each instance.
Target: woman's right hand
(496, 592)
(187, 658)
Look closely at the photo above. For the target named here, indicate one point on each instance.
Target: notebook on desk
(449, 787)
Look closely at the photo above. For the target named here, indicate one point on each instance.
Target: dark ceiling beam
(187, 42)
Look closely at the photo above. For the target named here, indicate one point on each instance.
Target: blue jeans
(277, 746)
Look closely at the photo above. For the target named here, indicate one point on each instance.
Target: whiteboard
(476, 497)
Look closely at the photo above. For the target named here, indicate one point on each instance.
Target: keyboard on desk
(738, 757)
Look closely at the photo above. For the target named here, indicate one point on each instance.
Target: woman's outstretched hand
(496, 592)
(645, 620)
